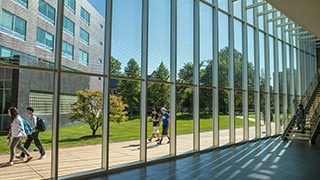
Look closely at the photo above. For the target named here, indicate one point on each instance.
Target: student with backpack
(17, 132)
(34, 136)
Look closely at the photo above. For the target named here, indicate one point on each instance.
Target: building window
(100, 43)
(67, 50)
(44, 39)
(13, 25)
(46, 11)
(83, 57)
(71, 5)
(68, 26)
(85, 16)
(100, 61)
(84, 36)
(23, 3)
(42, 102)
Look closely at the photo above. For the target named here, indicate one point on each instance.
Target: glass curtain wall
(221, 70)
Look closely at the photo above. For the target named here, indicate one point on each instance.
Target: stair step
(298, 138)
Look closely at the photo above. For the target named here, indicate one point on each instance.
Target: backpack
(27, 127)
(41, 124)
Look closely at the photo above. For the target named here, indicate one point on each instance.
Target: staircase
(312, 126)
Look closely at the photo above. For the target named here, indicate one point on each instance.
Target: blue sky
(126, 32)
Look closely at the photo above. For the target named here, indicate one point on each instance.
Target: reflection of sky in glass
(223, 4)
(238, 36)
(271, 57)
(159, 34)
(237, 9)
(205, 32)
(261, 55)
(250, 45)
(184, 33)
(223, 30)
(280, 55)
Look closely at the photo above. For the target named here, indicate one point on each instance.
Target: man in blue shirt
(165, 124)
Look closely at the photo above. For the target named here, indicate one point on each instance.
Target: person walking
(17, 133)
(300, 116)
(165, 119)
(155, 122)
(33, 137)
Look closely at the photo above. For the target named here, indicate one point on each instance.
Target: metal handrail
(305, 100)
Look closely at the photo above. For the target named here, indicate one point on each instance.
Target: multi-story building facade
(28, 32)
(229, 65)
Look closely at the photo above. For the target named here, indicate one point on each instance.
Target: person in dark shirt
(155, 122)
(300, 118)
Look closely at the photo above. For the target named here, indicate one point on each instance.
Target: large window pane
(223, 56)
(159, 40)
(126, 36)
(185, 41)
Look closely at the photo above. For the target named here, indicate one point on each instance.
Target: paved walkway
(86, 158)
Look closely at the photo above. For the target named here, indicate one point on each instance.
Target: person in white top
(33, 137)
(17, 133)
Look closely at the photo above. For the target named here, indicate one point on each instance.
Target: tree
(159, 92)
(129, 90)
(115, 67)
(89, 109)
(186, 73)
(184, 96)
(117, 111)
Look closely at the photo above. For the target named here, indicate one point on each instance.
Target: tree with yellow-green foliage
(89, 109)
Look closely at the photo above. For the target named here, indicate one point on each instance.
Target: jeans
(16, 142)
(34, 136)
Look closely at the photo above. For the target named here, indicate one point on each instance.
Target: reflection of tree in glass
(89, 109)
(159, 93)
(115, 67)
(206, 66)
(129, 90)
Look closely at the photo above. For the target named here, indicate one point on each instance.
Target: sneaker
(149, 139)
(158, 140)
(20, 157)
(29, 158)
(43, 156)
(9, 164)
(168, 142)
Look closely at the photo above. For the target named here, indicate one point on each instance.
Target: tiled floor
(265, 159)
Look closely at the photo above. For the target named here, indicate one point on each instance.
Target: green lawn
(77, 135)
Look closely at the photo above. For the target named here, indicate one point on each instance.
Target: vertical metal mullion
(173, 72)
(245, 73)
(144, 76)
(267, 73)
(215, 75)
(298, 68)
(56, 92)
(106, 86)
(257, 74)
(276, 79)
(284, 67)
(232, 129)
(196, 74)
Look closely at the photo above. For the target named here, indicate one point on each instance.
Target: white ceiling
(305, 13)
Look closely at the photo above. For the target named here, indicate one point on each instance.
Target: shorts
(164, 130)
(155, 129)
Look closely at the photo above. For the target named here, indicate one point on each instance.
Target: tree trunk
(94, 132)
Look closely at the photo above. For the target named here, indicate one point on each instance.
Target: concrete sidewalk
(85, 158)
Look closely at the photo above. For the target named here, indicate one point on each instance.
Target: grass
(78, 135)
